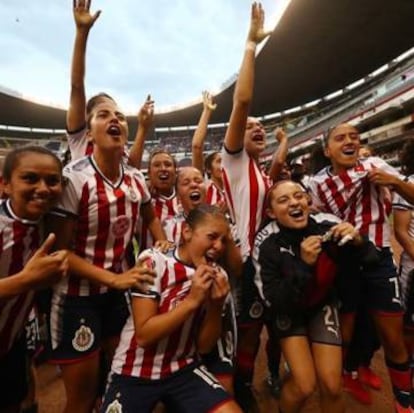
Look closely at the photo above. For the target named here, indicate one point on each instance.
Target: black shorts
(378, 286)
(249, 306)
(193, 389)
(79, 324)
(320, 325)
(14, 372)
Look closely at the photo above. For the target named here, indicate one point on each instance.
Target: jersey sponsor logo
(121, 226)
(283, 322)
(114, 407)
(83, 339)
(256, 310)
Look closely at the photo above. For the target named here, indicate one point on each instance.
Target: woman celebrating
(32, 185)
(97, 218)
(296, 257)
(177, 317)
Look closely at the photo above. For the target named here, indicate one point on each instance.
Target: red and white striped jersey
(164, 207)
(245, 187)
(107, 218)
(214, 194)
(80, 145)
(171, 353)
(173, 227)
(19, 239)
(351, 197)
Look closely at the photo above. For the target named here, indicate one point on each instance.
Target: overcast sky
(172, 49)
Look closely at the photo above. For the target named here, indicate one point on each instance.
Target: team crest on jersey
(83, 339)
(283, 322)
(114, 407)
(121, 226)
(360, 171)
(256, 310)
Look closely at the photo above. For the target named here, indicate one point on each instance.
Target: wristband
(251, 45)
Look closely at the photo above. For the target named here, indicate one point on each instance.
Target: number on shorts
(397, 295)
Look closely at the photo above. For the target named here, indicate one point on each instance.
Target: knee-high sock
(400, 375)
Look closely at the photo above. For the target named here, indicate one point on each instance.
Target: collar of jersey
(9, 211)
(177, 257)
(109, 182)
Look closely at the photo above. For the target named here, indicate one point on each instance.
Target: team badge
(360, 171)
(121, 226)
(83, 339)
(283, 322)
(256, 310)
(114, 407)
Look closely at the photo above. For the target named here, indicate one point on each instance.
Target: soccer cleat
(369, 378)
(355, 388)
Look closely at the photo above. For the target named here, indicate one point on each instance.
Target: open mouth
(211, 257)
(163, 176)
(114, 130)
(195, 196)
(258, 137)
(296, 213)
(349, 151)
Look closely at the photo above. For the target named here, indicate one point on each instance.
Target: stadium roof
(318, 47)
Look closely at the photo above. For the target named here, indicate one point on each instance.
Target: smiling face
(254, 137)
(34, 186)
(205, 243)
(289, 205)
(191, 188)
(162, 173)
(342, 147)
(108, 127)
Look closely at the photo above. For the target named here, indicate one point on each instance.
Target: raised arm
(243, 93)
(145, 121)
(197, 145)
(279, 157)
(76, 114)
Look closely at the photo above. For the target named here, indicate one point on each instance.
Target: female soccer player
(296, 266)
(245, 186)
(32, 185)
(191, 193)
(79, 109)
(96, 219)
(175, 319)
(356, 190)
(162, 174)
